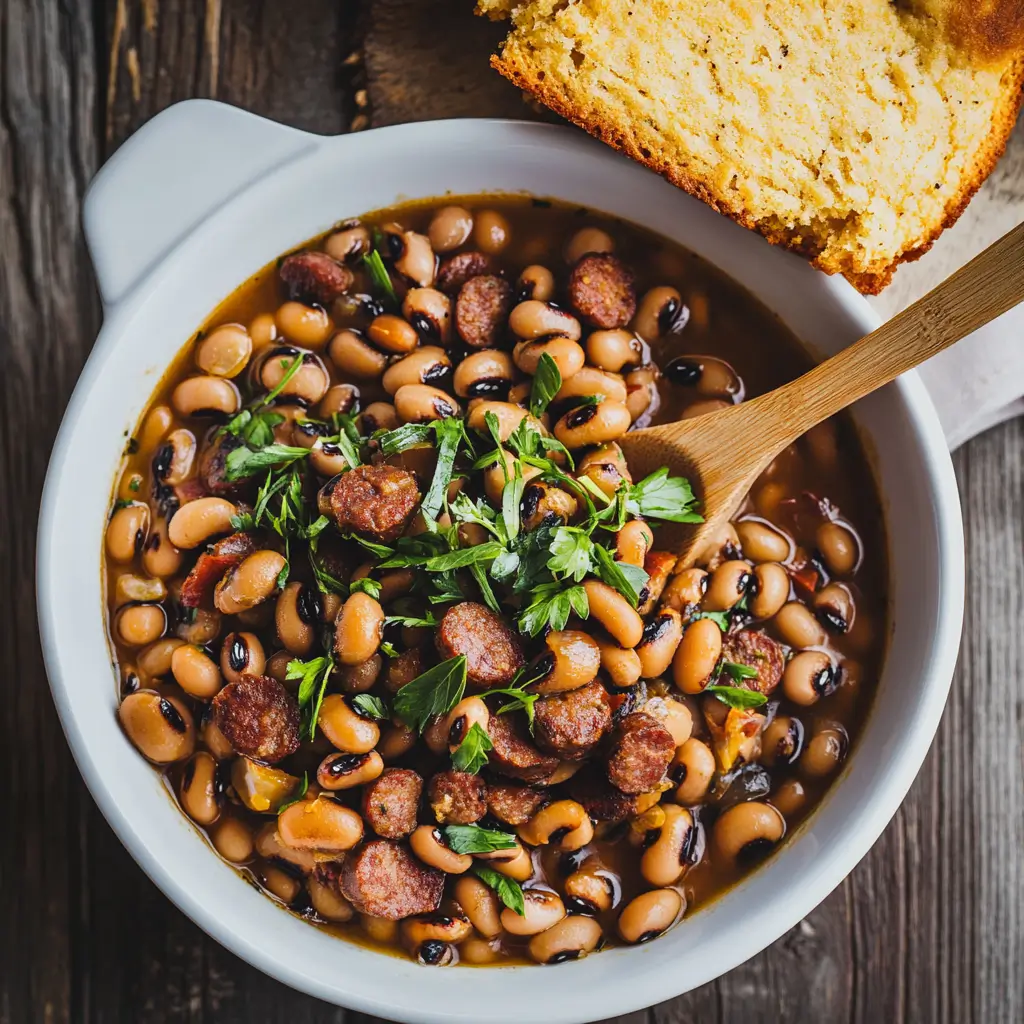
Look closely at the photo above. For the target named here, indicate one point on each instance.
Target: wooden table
(929, 927)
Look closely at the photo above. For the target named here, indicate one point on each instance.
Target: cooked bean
(649, 915)
(491, 232)
(590, 889)
(727, 586)
(642, 393)
(195, 672)
(421, 403)
(225, 351)
(839, 548)
(127, 530)
(159, 556)
(761, 542)
(432, 928)
(782, 741)
(197, 521)
(348, 243)
(542, 910)
(790, 797)
(378, 416)
(545, 504)
(484, 374)
(516, 864)
(296, 617)
(495, 477)
(593, 424)
(327, 900)
(703, 407)
(203, 629)
(396, 740)
(572, 660)
(140, 624)
(834, 606)
(606, 466)
(666, 858)
(509, 417)
(560, 816)
(612, 350)
(686, 589)
(535, 282)
(622, 664)
(379, 929)
(154, 661)
(449, 228)
(534, 319)
(416, 261)
(155, 426)
(673, 715)
(392, 333)
(614, 612)
(428, 844)
(173, 461)
(696, 656)
(797, 625)
(232, 839)
(567, 354)
(468, 712)
(241, 654)
(359, 629)
(430, 313)
(309, 383)
(692, 769)
(205, 396)
(572, 938)
(585, 241)
(200, 792)
(249, 583)
(280, 883)
(341, 398)
(263, 331)
(302, 324)
(345, 728)
(708, 376)
(361, 677)
(160, 727)
(661, 311)
(809, 676)
(590, 381)
(748, 831)
(770, 590)
(661, 636)
(346, 771)
(320, 824)
(352, 356)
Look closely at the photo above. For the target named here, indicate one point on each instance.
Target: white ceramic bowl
(194, 203)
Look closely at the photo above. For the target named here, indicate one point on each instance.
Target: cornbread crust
(989, 44)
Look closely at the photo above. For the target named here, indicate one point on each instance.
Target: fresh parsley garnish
(509, 891)
(737, 696)
(300, 794)
(738, 672)
(551, 604)
(474, 839)
(628, 580)
(546, 384)
(572, 553)
(244, 461)
(471, 754)
(660, 496)
(720, 619)
(365, 585)
(379, 276)
(370, 706)
(313, 675)
(427, 622)
(450, 433)
(433, 693)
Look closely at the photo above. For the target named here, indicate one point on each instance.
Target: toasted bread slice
(852, 131)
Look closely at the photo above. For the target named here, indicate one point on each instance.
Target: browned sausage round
(259, 717)
(602, 801)
(601, 290)
(457, 270)
(513, 754)
(391, 801)
(641, 751)
(570, 724)
(212, 469)
(757, 651)
(383, 879)
(376, 501)
(457, 798)
(514, 805)
(493, 653)
(482, 309)
(314, 277)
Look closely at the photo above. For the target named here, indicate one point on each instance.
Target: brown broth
(724, 321)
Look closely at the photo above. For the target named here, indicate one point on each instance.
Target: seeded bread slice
(851, 131)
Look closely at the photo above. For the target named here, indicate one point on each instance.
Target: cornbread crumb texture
(852, 131)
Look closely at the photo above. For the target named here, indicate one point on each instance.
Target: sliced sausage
(602, 801)
(375, 501)
(492, 650)
(514, 805)
(383, 879)
(602, 291)
(259, 718)
(514, 755)
(211, 566)
(457, 798)
(757, 651)
(212, 469)
(482, 309)
(314, 277)
(572, 723)
(641, 751)
(391, 801)
(459, 269)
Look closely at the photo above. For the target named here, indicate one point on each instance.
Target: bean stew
(392, 616)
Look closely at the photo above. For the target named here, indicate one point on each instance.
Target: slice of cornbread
(853, 131)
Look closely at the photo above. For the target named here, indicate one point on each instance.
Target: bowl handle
(171, 174)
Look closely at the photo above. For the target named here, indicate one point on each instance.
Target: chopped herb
(546, 384)
(379, 276)
(739, 672)
(365, 586)
(550, 605)
(572, 553)
(450, 434)
(243, 462)
(737, 696)
(520, 699)
(429, 622)
(380, 550)
(135, 483)
(371, 706)
(313, 676)
(409, 435)
(660, 496)
(474, 839)
(300, 794)
(720, 619)
(463, 557)
(628, 580)
(123, 503)
(433, 693)
(509, 891)
(471, 754)
(388, 649)
(511, 500)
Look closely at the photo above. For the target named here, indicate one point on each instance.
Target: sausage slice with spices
(373, 501)
(259, 718)
(492, 650)
(383, 879)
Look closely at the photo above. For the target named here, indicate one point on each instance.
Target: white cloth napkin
(979, 382)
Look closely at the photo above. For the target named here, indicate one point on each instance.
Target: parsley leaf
(550, 605)
(371, 706)
(299, 795)
(739, 672)
(429, 622)
(660, 496)
(546, 383)
(509, 891)
(737, 696)
(245, 462)
(365, 586)
(474, 839)
(572, 552)
(450, 434)
(720, 619)
(394, 442)
(379, 276)
(313, 676)
(471, 754)
(628, 580)
(511, 498)
(433, 693)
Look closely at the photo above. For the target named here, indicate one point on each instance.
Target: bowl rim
(400, 1002)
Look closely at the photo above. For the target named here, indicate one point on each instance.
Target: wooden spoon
(723, 453)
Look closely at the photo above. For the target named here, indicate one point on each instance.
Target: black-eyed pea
(429, 364)
(642, 392)
(491, 232)
(614, 350)
(328, 903)
(309, 382)
(797, 626)
(297, 617)
(352, 356)
(495, 476)
(633, 542)
(544, 504)
(380, 929)
(277, 667)
(262, 788)
(697, 655)
(618, 617)
(509, 417)
(320, 824)
(206, 396)
(154, 660)
(515, 863)
(127, 531)
(769, 591)
(834, 607)
(590, 381)
(396, 740)
(727, 586)
(478, 901)
(668, 856)
(345, 728)
(606, 466)
(660, 311)
(345, 771)
(542, 909)
(468, 712)
(327, 458)
(280, 884)
(762, 542)
(587, 240)
(158, 421)
(195, 672)
(825, 751)
(172, 463)
(782, 741)
(593, 424)
(200, 791)
(359, 629)
(232, 839)
(748, 831)
(225, 351)
(140, 624)
(649, 915)
(661, 637)
(790, 797)
(571, 939)
(250, 583)
(160, 558)
(392, 334)
(839, 547)
(571, 660)
(427, 842)
(378, 416)
(263, 331)
(421, 403)
(591, 889)
(685, 589)
(131, 589)
(213, 739)
(449, 228)
(197, 521)
(478, 951)
(674, 716)
(487, 373)
(567, 354)
(304, 325)
(349, 242)
(692, 769)
(534, 319)
(161, 728)
(203, 628)
(430, 313)
(552, 822)
(535, 282)
(339, 399)
(414, 258)
(708, 376)
(418, 931)
(620, 664)
(361, 677)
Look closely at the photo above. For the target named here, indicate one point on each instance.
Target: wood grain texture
(927, 929)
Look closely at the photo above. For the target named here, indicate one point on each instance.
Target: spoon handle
(988, 286)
